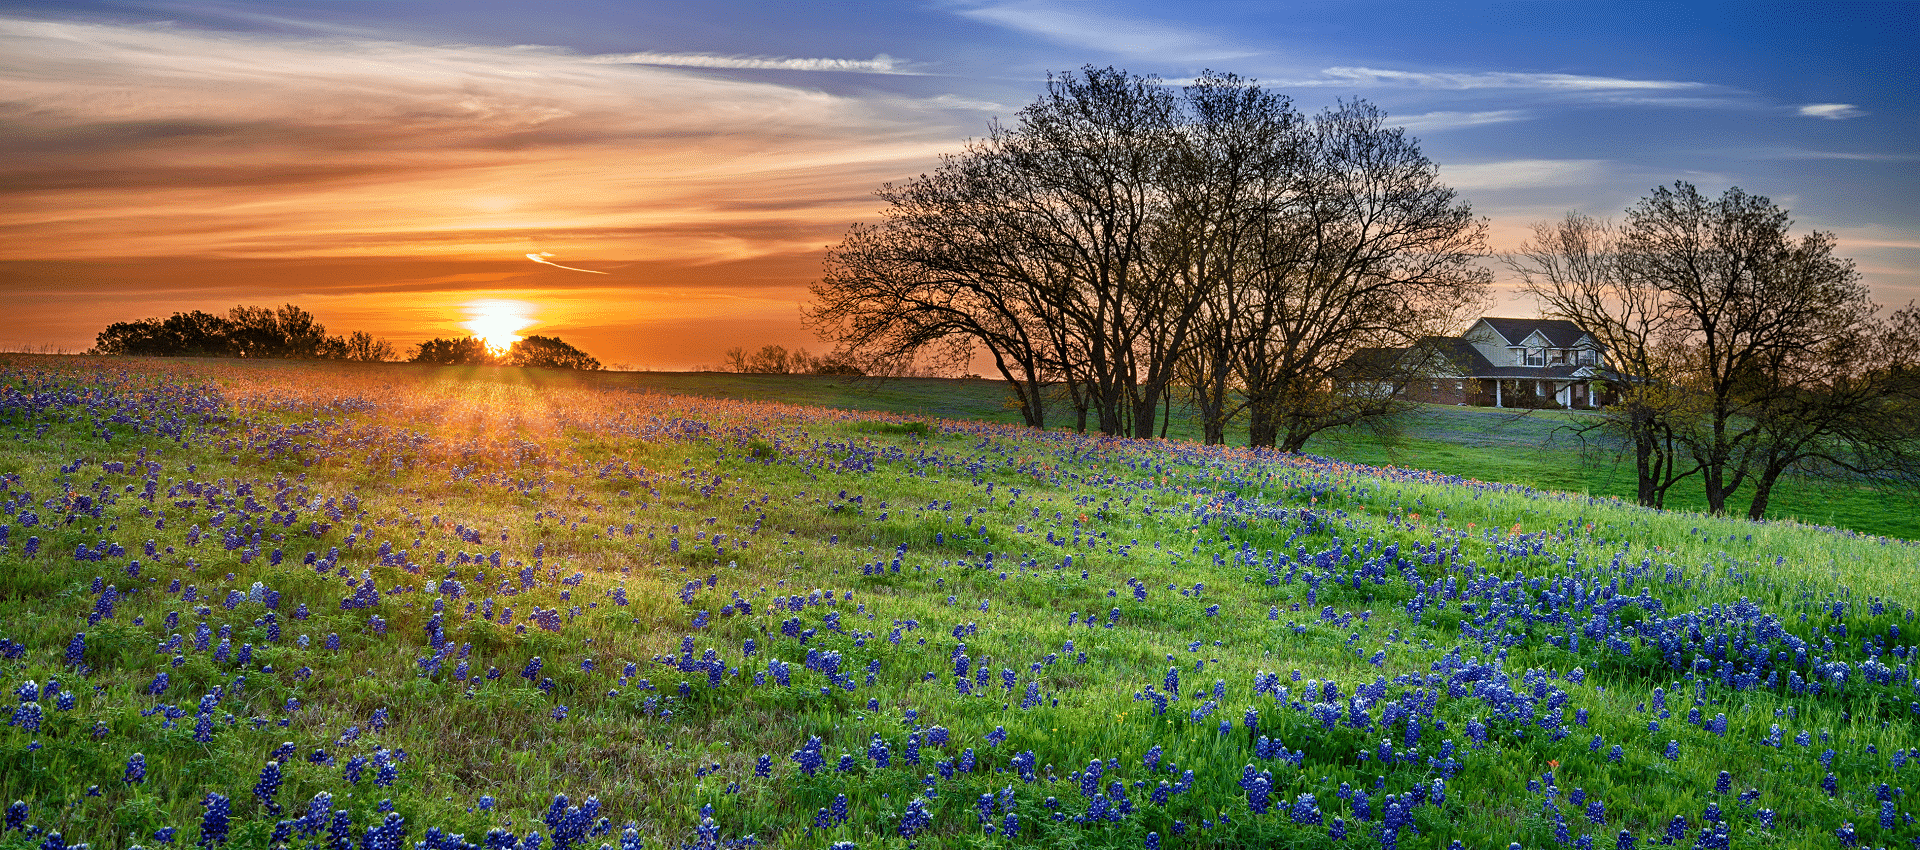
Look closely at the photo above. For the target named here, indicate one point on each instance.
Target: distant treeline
(286, 333)
(777, 360)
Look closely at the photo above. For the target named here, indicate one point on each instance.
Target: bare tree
(1575, 269)
(1120, 229)
(1371, 250)
(1738, 351)
(1748, 305)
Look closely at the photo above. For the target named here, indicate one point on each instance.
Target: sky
(679, 168)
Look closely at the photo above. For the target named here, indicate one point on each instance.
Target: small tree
(454, 352)
(549, 352)
(360, 346)
(284, 332)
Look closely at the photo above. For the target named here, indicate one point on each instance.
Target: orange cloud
(155, 141)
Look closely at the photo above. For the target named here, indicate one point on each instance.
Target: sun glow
(498, 321)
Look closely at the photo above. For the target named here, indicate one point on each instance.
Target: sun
(497, 321)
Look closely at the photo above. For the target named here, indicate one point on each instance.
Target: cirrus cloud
(1832, 111)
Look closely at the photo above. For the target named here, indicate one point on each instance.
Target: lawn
(250, 604)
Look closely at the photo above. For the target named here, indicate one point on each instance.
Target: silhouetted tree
(465, 351)
(255, 332)
(360, 346)
(286, 332)
(549, 352)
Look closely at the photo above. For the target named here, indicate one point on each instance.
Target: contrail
(542, 258)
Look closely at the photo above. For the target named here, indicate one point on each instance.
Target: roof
(1436, 355)
(1560, 332)
(1460, 354)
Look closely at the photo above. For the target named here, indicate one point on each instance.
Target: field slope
(327, 605)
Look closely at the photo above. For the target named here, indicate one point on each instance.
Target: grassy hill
(1536, 448)
(299, 604)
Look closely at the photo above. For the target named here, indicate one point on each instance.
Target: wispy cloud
(1080, 26)
(1832, 111)
(541, 257)
(1360, 77)
(880, 64)
(1449, 120)
(1853, 156)
(1523, 173)
(156, 140)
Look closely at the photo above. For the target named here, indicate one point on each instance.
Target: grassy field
(1534, 448)
(326, 605)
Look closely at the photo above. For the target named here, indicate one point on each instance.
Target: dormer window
(1589, 357)
(1536, 357)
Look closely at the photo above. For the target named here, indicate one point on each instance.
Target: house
(1499, 362)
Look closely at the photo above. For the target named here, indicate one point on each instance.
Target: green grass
(1534, 448)
(593, 489)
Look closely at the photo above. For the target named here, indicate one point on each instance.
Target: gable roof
(1560, 332)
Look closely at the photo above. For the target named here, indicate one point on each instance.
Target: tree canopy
(1124, 235)
(549, 352)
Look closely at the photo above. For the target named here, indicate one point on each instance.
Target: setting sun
(497, 321)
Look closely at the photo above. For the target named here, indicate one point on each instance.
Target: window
(1589, 357)
(1536, 357)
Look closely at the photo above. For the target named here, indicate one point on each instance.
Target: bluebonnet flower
(1848, 838)
(915, 818)
(268, 788)
(136, 769)
(808, 756)
(215, 822)
(27, 715)
(1306, 810)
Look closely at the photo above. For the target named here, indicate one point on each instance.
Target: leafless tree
(1123, 233)
(1575, 269)
(1370, 251)
(1739, 351)
(1748, 306)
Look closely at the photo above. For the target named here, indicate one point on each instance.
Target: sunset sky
(390, 165)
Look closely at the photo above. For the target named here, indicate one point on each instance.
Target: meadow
(265, 604)
(1537, 448)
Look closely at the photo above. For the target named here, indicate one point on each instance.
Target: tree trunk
(1263, 428)
(1645, 465)
(1295, 441)
(1762, 491)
